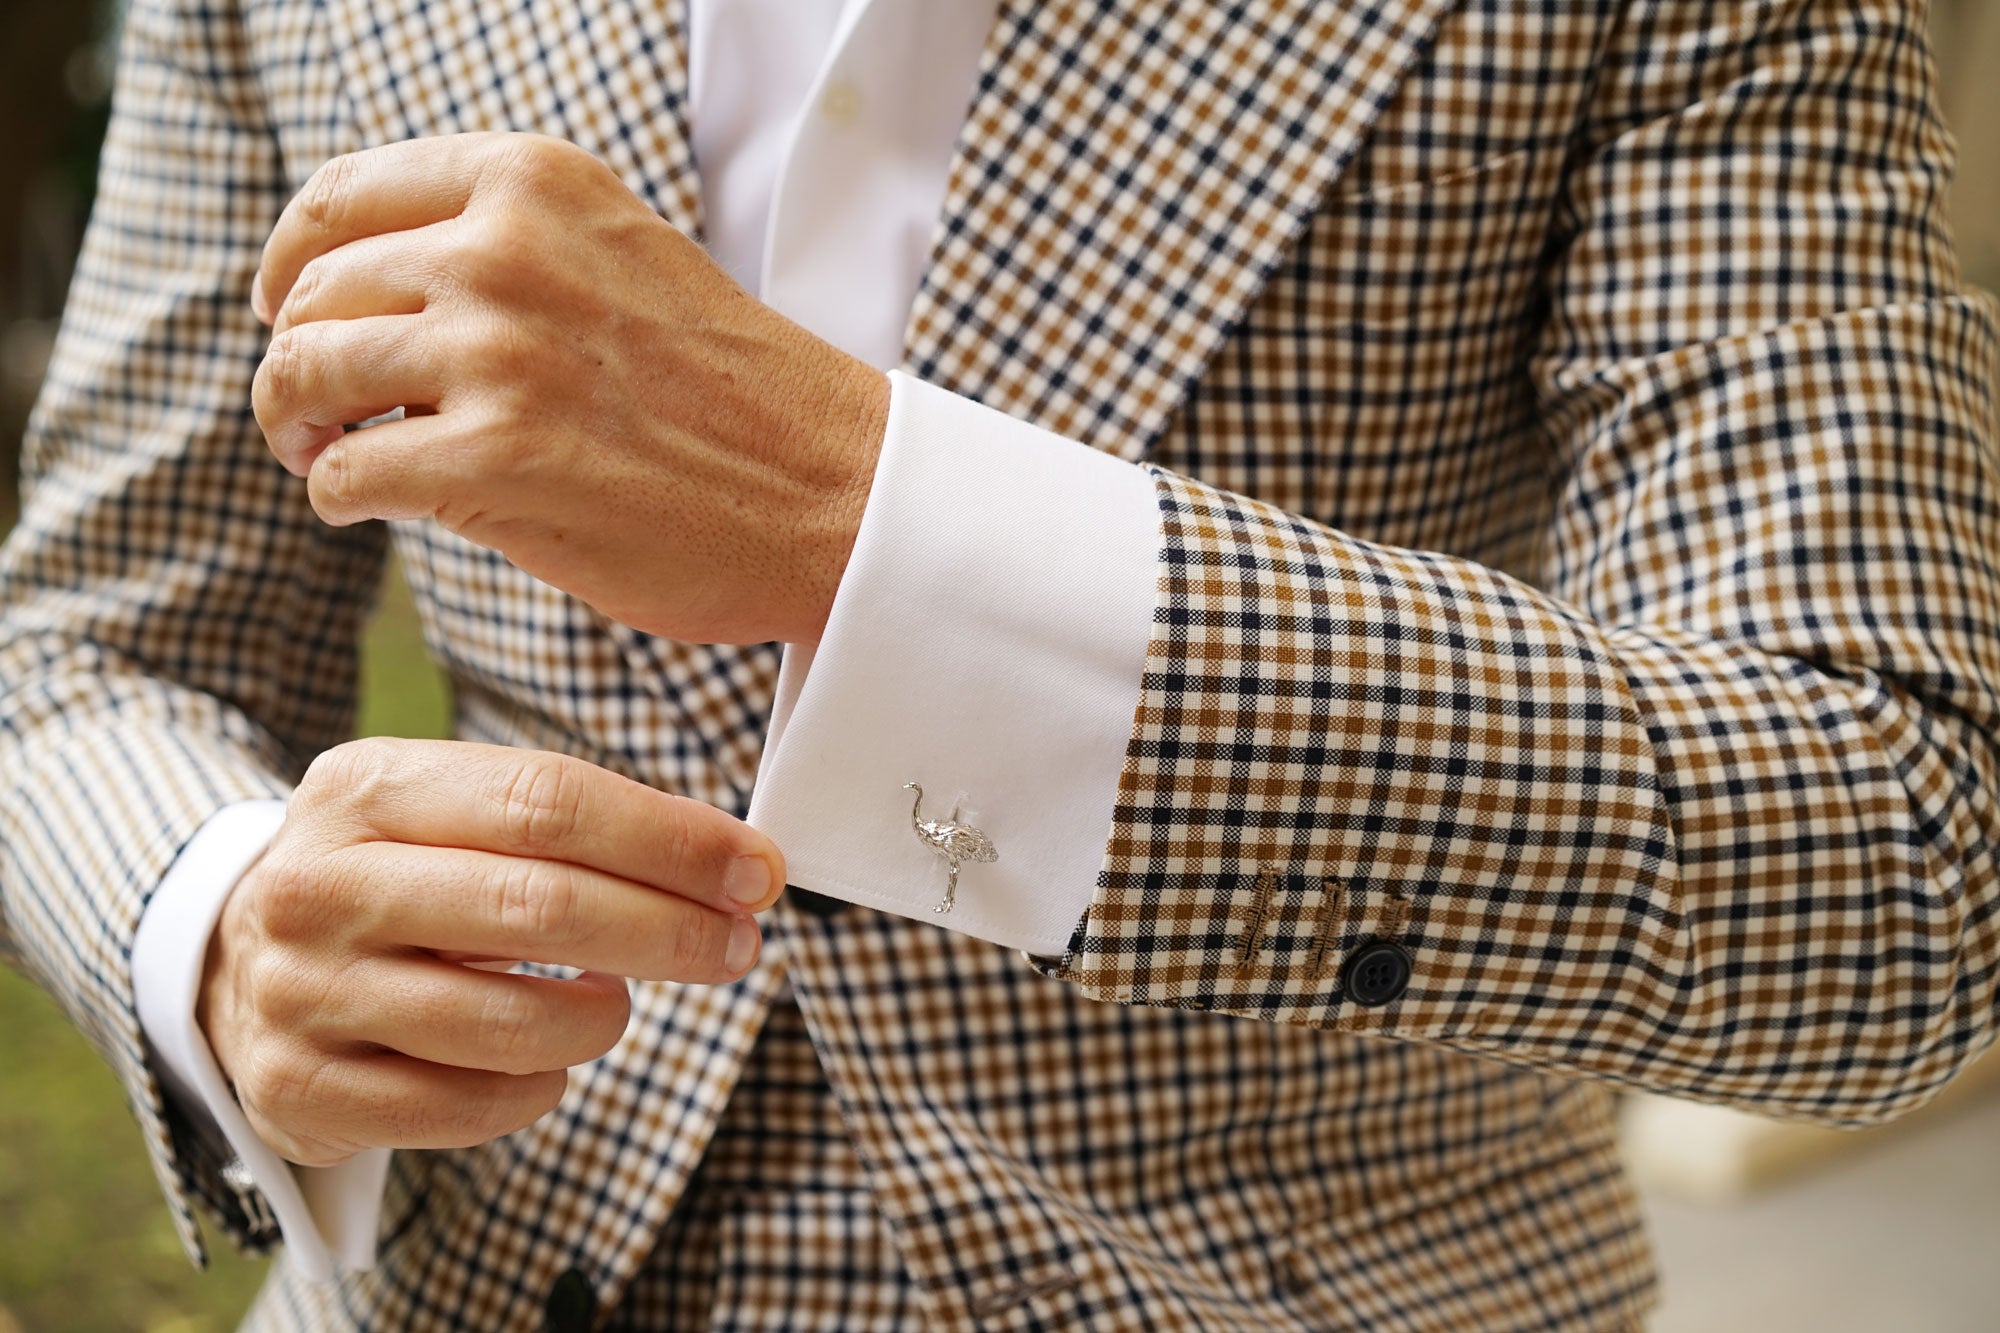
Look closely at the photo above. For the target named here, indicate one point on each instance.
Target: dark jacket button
(1376, 973)
(813, 904)
(572, 1305)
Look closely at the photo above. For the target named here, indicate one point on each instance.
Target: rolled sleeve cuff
(987, 642)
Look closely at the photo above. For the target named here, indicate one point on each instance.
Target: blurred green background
(85, 1244)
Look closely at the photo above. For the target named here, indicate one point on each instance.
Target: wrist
(852, 424)
(214, 1007)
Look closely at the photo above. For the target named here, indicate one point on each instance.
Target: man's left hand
(585, 390)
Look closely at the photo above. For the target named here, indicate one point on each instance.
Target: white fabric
(751, 64)
(857, 195)
(966, 652)
(966, 649)
(327, 1214)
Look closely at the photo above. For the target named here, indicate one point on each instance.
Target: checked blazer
(1577, 481)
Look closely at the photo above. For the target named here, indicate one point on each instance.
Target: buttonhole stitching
(1261, 894)
(1396, 917)
(1331, 889)
(1018, 1295)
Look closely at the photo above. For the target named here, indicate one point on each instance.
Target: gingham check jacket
(1578, 564)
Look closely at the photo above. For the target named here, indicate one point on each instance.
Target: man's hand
(337, 994)
(587, 392)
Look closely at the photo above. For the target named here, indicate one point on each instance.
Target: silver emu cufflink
(953, 841)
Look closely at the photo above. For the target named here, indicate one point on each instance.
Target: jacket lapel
(1129, 174)
(611, 77)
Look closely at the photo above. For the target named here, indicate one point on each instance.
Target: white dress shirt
(989, 633)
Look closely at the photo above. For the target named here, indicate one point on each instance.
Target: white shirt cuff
(328, 1214)
(987, 642)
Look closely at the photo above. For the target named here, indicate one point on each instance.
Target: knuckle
(329, 770)
(538, 903)
(551, 150)
(281, 378)
(352, 774)
(368, 909)
(328, 195)
(302, 1149)
(511, 153)
(677, 828)
(480, 251)
(539, 807)
(530, 159)
(268, 977)
(286, 1086)
(680, 842)
(509, 1031)
(337, 487)
(460, 514)
(569, 165)
(262, 1088)
(694, 946)
(287, 902)
(307, 291)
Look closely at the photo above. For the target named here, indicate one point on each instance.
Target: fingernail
(743, 939)
(257, 304)
(747, 881)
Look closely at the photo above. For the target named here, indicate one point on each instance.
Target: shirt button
(1376, 973)
(840, 103)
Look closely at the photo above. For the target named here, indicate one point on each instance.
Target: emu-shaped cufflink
(953, 841)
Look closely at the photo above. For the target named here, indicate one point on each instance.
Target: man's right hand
(337, 994)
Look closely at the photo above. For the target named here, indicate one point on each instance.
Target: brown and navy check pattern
(1700, 795)
(1576, 468)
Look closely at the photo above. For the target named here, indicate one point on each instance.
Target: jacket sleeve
(1708, 806)
(177, 629)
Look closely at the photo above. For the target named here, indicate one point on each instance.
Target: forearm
(1717, 850)
(1628, 852)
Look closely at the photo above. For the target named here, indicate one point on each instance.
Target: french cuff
(326, 1215)
(986, 643)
